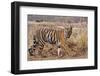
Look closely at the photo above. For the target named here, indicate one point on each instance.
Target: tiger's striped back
(50, 35)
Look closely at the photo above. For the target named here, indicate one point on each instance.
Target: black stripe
(41, 36)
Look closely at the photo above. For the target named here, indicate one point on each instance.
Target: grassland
(76, 46)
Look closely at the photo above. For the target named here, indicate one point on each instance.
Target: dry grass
(75, 46)
(78, 43)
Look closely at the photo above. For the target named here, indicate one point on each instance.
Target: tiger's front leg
(59, 49)
(58, 52)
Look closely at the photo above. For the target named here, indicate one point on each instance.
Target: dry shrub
(77, 43)
(83, 41)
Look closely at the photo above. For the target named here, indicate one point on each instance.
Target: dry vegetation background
(75, 46)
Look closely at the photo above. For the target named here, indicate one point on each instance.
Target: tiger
(55, 36)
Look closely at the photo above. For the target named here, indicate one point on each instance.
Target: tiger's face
(68, 32)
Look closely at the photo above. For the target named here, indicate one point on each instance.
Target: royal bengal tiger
(50, 35)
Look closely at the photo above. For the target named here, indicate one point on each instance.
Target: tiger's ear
(70, 27)
(66, 28)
